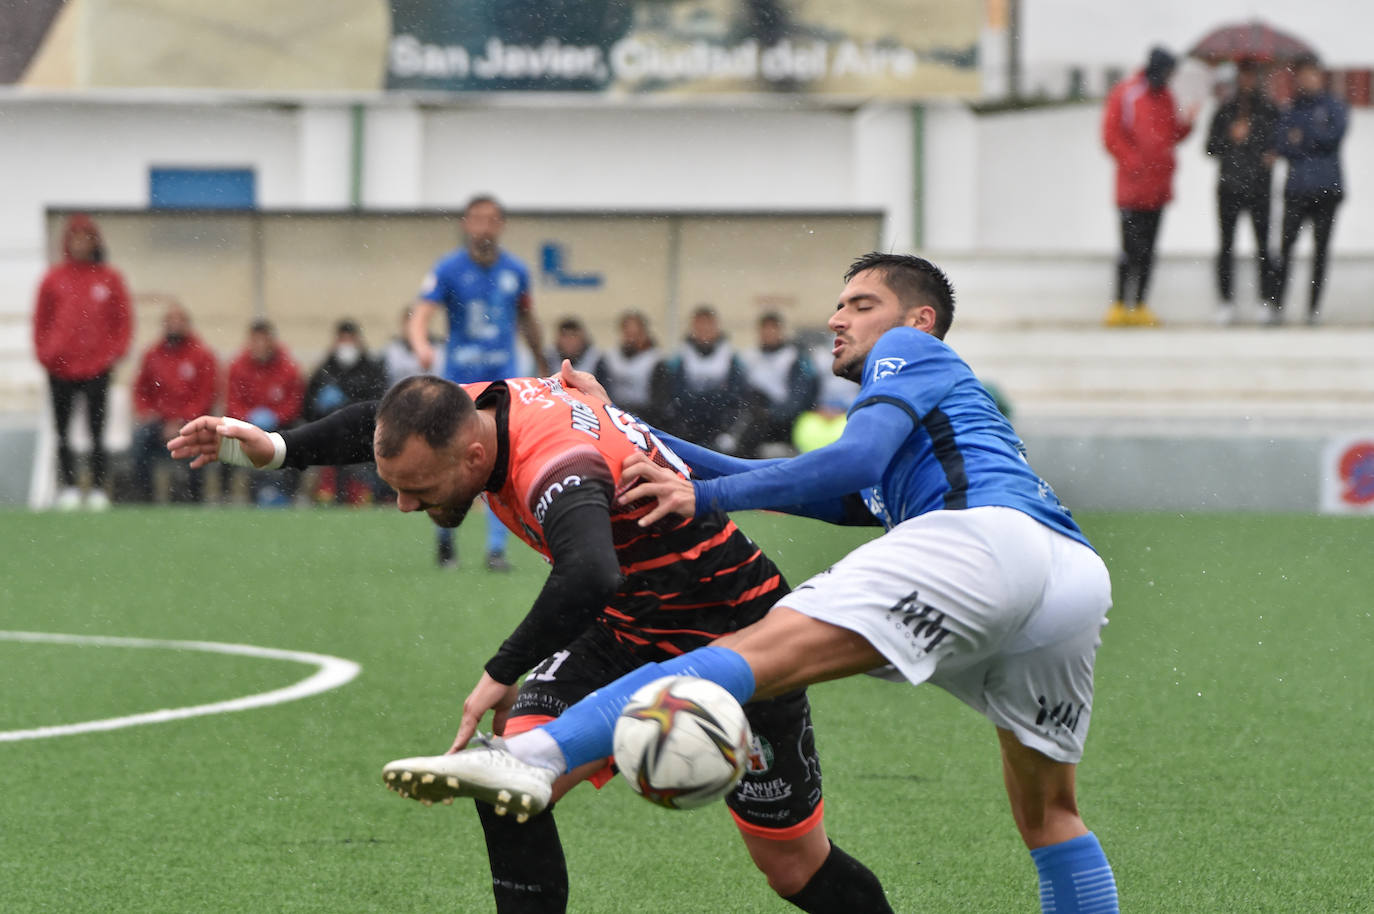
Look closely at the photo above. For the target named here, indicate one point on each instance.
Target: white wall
(1039, 181)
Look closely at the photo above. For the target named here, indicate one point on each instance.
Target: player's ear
(921, 317)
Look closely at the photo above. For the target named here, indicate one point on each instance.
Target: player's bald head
(433, 409)
(915, 281)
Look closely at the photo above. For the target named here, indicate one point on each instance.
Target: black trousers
(64, 393)
(1139, 230)
(1230, 204)
(1321, 210)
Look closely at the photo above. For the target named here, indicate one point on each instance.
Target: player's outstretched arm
(853, 463)
(231, 441)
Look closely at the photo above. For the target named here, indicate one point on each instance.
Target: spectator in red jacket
(82, 324)
(266, 389)
(176, 382)
(1140, 128)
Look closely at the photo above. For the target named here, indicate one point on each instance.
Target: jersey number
(641, 437)
(480, 326)
(546, 670)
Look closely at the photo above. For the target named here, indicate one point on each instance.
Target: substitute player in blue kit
(485, 292)
(983, 584)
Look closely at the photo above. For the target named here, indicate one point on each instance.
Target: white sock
(536, 747)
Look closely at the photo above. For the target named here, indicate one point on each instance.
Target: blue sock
(583, 732)
(1075, 877)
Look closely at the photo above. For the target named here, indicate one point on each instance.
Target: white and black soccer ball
(682, 742)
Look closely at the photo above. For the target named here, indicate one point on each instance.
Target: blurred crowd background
(240, 216)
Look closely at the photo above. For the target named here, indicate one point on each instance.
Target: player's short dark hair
(915, 280)
(570, 324)
(704, 311)
(262, 325)
(433, 408)
(479, 199)
(770, 317)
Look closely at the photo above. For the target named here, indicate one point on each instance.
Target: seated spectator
(266, 389)
(782, 385)
(703, 385)
(399, 356)
(176, 382)
(571, 342)
(347, 375)
(627, 372)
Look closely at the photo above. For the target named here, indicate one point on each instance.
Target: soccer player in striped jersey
(547, 461)
(983, 583)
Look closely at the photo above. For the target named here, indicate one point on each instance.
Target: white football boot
(68, 499)
(485, 771)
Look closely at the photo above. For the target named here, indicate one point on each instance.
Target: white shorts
(989, 604)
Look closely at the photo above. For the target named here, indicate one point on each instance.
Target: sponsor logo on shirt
(555, 489)
(886, 368)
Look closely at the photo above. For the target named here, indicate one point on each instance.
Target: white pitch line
(332, 672)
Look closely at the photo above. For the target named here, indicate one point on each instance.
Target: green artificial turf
(1228, 767)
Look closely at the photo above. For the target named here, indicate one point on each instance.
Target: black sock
(528, 872)
(842, 885)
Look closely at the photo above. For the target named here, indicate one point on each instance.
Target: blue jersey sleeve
(435, 287)
(911, 370)
(853, 463)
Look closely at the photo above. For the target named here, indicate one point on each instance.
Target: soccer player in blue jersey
(982, 584)
(485, 292)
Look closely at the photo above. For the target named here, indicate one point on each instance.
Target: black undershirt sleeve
(585, 575)
(344, 436)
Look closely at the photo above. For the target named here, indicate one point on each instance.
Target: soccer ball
(682, 742)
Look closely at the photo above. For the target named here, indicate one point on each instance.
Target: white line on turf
(331, 673)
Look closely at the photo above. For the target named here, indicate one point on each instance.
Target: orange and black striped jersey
(683, 582)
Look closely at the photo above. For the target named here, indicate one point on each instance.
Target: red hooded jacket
(82, 322)
(176, 381)
(275, 384)
(1140, 129)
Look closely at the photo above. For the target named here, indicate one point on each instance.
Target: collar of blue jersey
(497, 396)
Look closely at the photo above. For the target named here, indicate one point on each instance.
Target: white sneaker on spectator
(1314, 317)
(68, 499)
(1226, 314)
(97, 500)
(1273, 317)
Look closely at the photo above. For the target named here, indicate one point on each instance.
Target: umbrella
(1253, 41)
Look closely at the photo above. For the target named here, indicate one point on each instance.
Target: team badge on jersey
(508, 282)
(886, 368)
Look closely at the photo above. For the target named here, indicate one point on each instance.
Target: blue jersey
(962, 452)
(923, 435)
(484, 305)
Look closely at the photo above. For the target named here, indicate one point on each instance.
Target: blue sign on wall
(555, 270)
(202, 188)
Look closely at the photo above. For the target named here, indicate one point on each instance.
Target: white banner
(1348, 475)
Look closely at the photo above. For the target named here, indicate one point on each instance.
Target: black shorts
(779, 796)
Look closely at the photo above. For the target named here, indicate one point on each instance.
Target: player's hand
(489, 695)
(584, 381)
(201, 439)
(640, 478)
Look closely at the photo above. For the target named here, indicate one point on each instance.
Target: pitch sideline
(331, 673)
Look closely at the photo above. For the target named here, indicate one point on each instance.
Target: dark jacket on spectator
(1244, 170)
(1314, 164)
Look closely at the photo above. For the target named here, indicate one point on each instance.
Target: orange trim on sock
(781, 834)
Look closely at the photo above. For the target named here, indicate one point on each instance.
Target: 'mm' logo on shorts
(923, 625)
(1062, 714)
